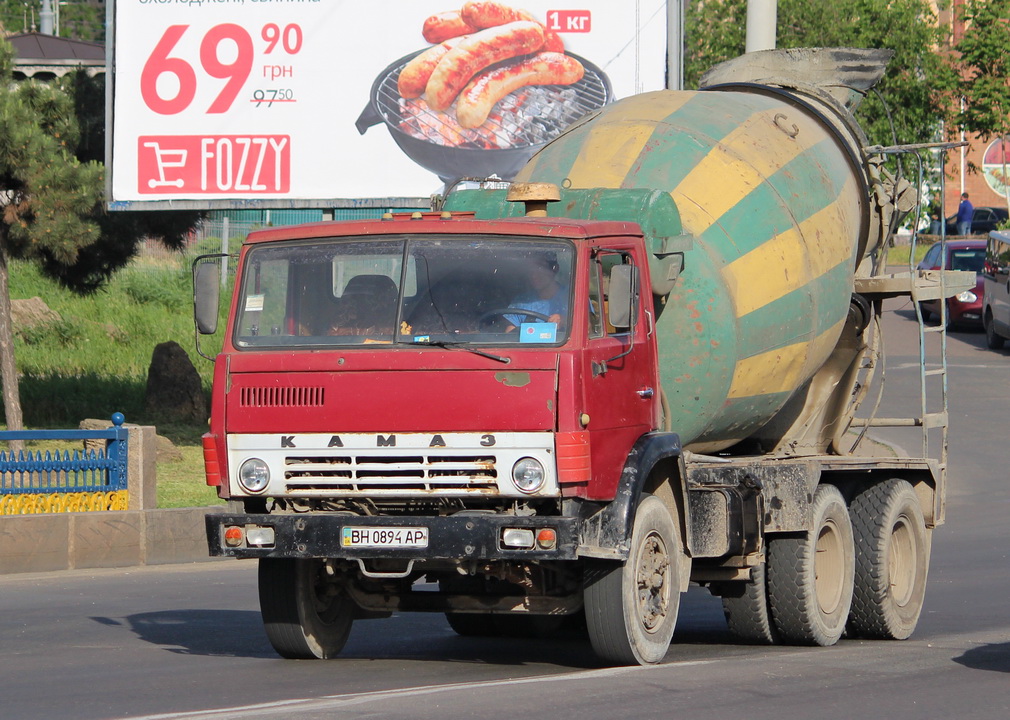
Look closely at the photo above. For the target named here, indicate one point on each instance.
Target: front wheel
(892, 559)
(305, 616)
(810, 576)
(631, 608)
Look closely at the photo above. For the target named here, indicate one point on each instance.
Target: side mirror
(206, 293)
(621, 299)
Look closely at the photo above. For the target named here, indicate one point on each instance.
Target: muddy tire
(810, 576)
(305, 618)
(747, 612)
(631, 607)
(892, 560)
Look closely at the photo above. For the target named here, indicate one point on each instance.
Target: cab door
(621, 388)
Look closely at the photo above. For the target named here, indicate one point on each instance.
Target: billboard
(286, 103)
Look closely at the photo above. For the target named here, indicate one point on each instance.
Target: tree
(121, 231)
(47, 197)
(981, 82)
(905, 108)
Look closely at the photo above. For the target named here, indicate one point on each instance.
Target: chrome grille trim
(400, 465)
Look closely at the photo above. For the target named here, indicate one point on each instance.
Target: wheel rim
(829, 568)
(327, 600)
(653, 579)
(901, 562)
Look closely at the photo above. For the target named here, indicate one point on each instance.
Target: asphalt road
(185, 641)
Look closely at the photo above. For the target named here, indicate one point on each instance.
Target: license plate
(412, 537)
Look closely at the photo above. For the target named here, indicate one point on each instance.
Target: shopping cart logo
(213, 164)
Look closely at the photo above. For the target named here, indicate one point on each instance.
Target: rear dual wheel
(810, 576)
(892, 560)
(747, 612)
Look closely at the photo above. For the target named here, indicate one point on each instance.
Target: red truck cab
(425, 329)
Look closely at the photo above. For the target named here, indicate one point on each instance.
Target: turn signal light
(211, 465)
(547, 539)
(233, 536)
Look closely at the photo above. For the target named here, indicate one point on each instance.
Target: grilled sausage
(414, 75)
(486, 13)
(484, 91)
(476, 52)
(442, 26)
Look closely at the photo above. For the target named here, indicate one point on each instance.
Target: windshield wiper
(450, 345)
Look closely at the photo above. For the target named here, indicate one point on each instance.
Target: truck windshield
(450, 289)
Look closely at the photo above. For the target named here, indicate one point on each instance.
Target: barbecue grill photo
(495, 87)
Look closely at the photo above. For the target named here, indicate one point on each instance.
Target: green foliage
(983, 68)
(62, 333)
(95, 360)
(157, 288)
(48, 193)
(120, 230)
(716, 31)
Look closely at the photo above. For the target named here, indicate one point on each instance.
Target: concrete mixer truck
(557, 404)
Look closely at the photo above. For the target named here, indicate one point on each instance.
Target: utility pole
(762, 18)
(675, 44)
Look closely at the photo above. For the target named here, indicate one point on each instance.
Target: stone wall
(140, 535)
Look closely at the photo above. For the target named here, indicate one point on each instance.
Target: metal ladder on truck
(932, 415)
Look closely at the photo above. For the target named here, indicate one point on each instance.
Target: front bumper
(318, 535)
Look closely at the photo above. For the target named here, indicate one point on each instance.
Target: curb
(74, 541)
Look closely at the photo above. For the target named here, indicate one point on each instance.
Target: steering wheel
(502, 312)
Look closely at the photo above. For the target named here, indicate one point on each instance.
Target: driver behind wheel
(544, 295)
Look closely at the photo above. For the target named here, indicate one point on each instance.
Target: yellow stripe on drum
(792, 258)
(612, 148)
(738, 164)
(779, 370)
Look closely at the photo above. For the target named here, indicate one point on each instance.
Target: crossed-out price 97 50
(271, 96)
(237, 44)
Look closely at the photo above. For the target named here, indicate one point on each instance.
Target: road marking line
(333, 701)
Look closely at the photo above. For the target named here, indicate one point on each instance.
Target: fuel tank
(773, 200)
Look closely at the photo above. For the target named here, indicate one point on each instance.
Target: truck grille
(346, 474)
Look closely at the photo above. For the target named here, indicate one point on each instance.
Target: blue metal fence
(30, 481)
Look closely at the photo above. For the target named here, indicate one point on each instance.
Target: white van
(996, 293)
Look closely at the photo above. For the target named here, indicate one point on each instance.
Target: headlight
(254, 475)
(528, 475)
(967, 296)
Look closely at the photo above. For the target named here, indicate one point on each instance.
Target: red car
(965, 308)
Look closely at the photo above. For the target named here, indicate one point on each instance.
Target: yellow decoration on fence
(36, 503)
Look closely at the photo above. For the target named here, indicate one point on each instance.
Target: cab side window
(596, 307)
(601, 270)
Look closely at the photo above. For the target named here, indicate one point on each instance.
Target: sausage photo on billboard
(476, 52)
(486, 89)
